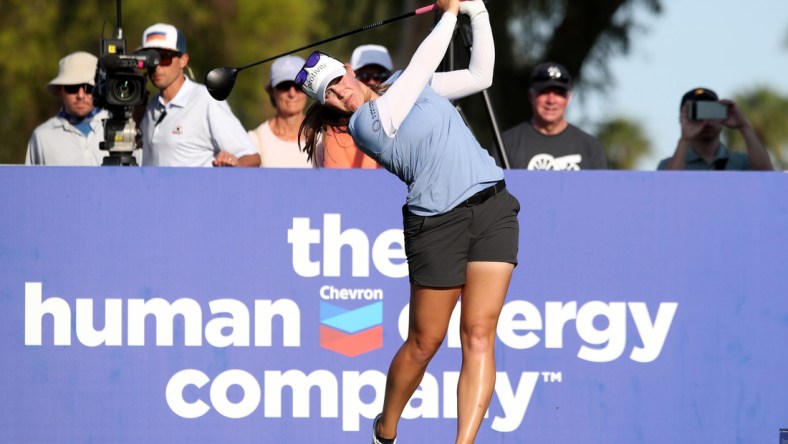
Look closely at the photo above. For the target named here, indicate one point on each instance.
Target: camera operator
(700, 147)
(72, 137)
(183, 125)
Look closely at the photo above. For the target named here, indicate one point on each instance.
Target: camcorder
(120, 88)
(707, 110)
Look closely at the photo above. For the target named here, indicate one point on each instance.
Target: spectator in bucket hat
(72, 137)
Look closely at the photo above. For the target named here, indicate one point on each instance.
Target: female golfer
(459, 221)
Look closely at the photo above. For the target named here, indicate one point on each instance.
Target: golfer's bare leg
(430, 311)
(483, 296)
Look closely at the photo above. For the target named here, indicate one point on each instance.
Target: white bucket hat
(75, 69)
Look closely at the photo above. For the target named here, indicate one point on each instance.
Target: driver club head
(220, 82)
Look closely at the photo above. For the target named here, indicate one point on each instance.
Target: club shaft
(336, 37)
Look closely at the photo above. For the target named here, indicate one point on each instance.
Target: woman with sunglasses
(459, 222)
(276, 139)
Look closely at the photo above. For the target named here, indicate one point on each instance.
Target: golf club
(220, 81)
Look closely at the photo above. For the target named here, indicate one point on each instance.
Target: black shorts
(483, 228)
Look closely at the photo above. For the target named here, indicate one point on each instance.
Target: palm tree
(625, 142)
(766, 110)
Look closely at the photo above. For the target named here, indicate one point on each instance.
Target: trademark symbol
(551, 376)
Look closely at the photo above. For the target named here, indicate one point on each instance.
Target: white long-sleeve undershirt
(397, 102)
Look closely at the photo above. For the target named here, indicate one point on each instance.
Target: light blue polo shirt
(433, 152)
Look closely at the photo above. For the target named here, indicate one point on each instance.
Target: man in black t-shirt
(548, 141)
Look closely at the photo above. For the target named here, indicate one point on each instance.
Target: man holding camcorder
(702, 117)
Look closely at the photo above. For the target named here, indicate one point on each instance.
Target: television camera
(120, 89)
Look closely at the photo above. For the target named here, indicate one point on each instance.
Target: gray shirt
(571, 149)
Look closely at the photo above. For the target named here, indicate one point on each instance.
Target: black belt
(484, 194)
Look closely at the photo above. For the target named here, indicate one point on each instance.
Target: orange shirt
(339, 151)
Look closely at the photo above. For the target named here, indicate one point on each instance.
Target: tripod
(464, 34)
(121, 136)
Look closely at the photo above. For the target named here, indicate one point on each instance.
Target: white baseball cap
(75, 69)
(370, 55)
(164, 36)
(285, 69)
(318, 71)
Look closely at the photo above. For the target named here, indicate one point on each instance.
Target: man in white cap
(72, 137)
(277, 138)
(183, 125)
(372, 64)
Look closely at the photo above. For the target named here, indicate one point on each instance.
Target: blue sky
(730, 46)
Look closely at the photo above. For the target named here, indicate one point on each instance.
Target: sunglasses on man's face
(165, 58)
(311, 61)
(379, 77)
(73, 89)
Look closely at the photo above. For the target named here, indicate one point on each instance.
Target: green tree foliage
(766, 110)
(625, 142)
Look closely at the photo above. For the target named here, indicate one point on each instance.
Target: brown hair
(319, 118)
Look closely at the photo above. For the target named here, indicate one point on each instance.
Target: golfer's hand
(452, 6)
(472, 8)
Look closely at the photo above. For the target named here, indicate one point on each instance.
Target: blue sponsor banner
(263, 305)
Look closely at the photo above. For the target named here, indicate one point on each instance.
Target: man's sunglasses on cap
(73, 89)
(554, 75)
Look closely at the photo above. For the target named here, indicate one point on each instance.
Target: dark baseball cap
(698, 94)
(550, 74)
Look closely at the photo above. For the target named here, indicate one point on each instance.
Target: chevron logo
(351, 332)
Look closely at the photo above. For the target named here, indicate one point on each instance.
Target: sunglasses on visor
(311, 61)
